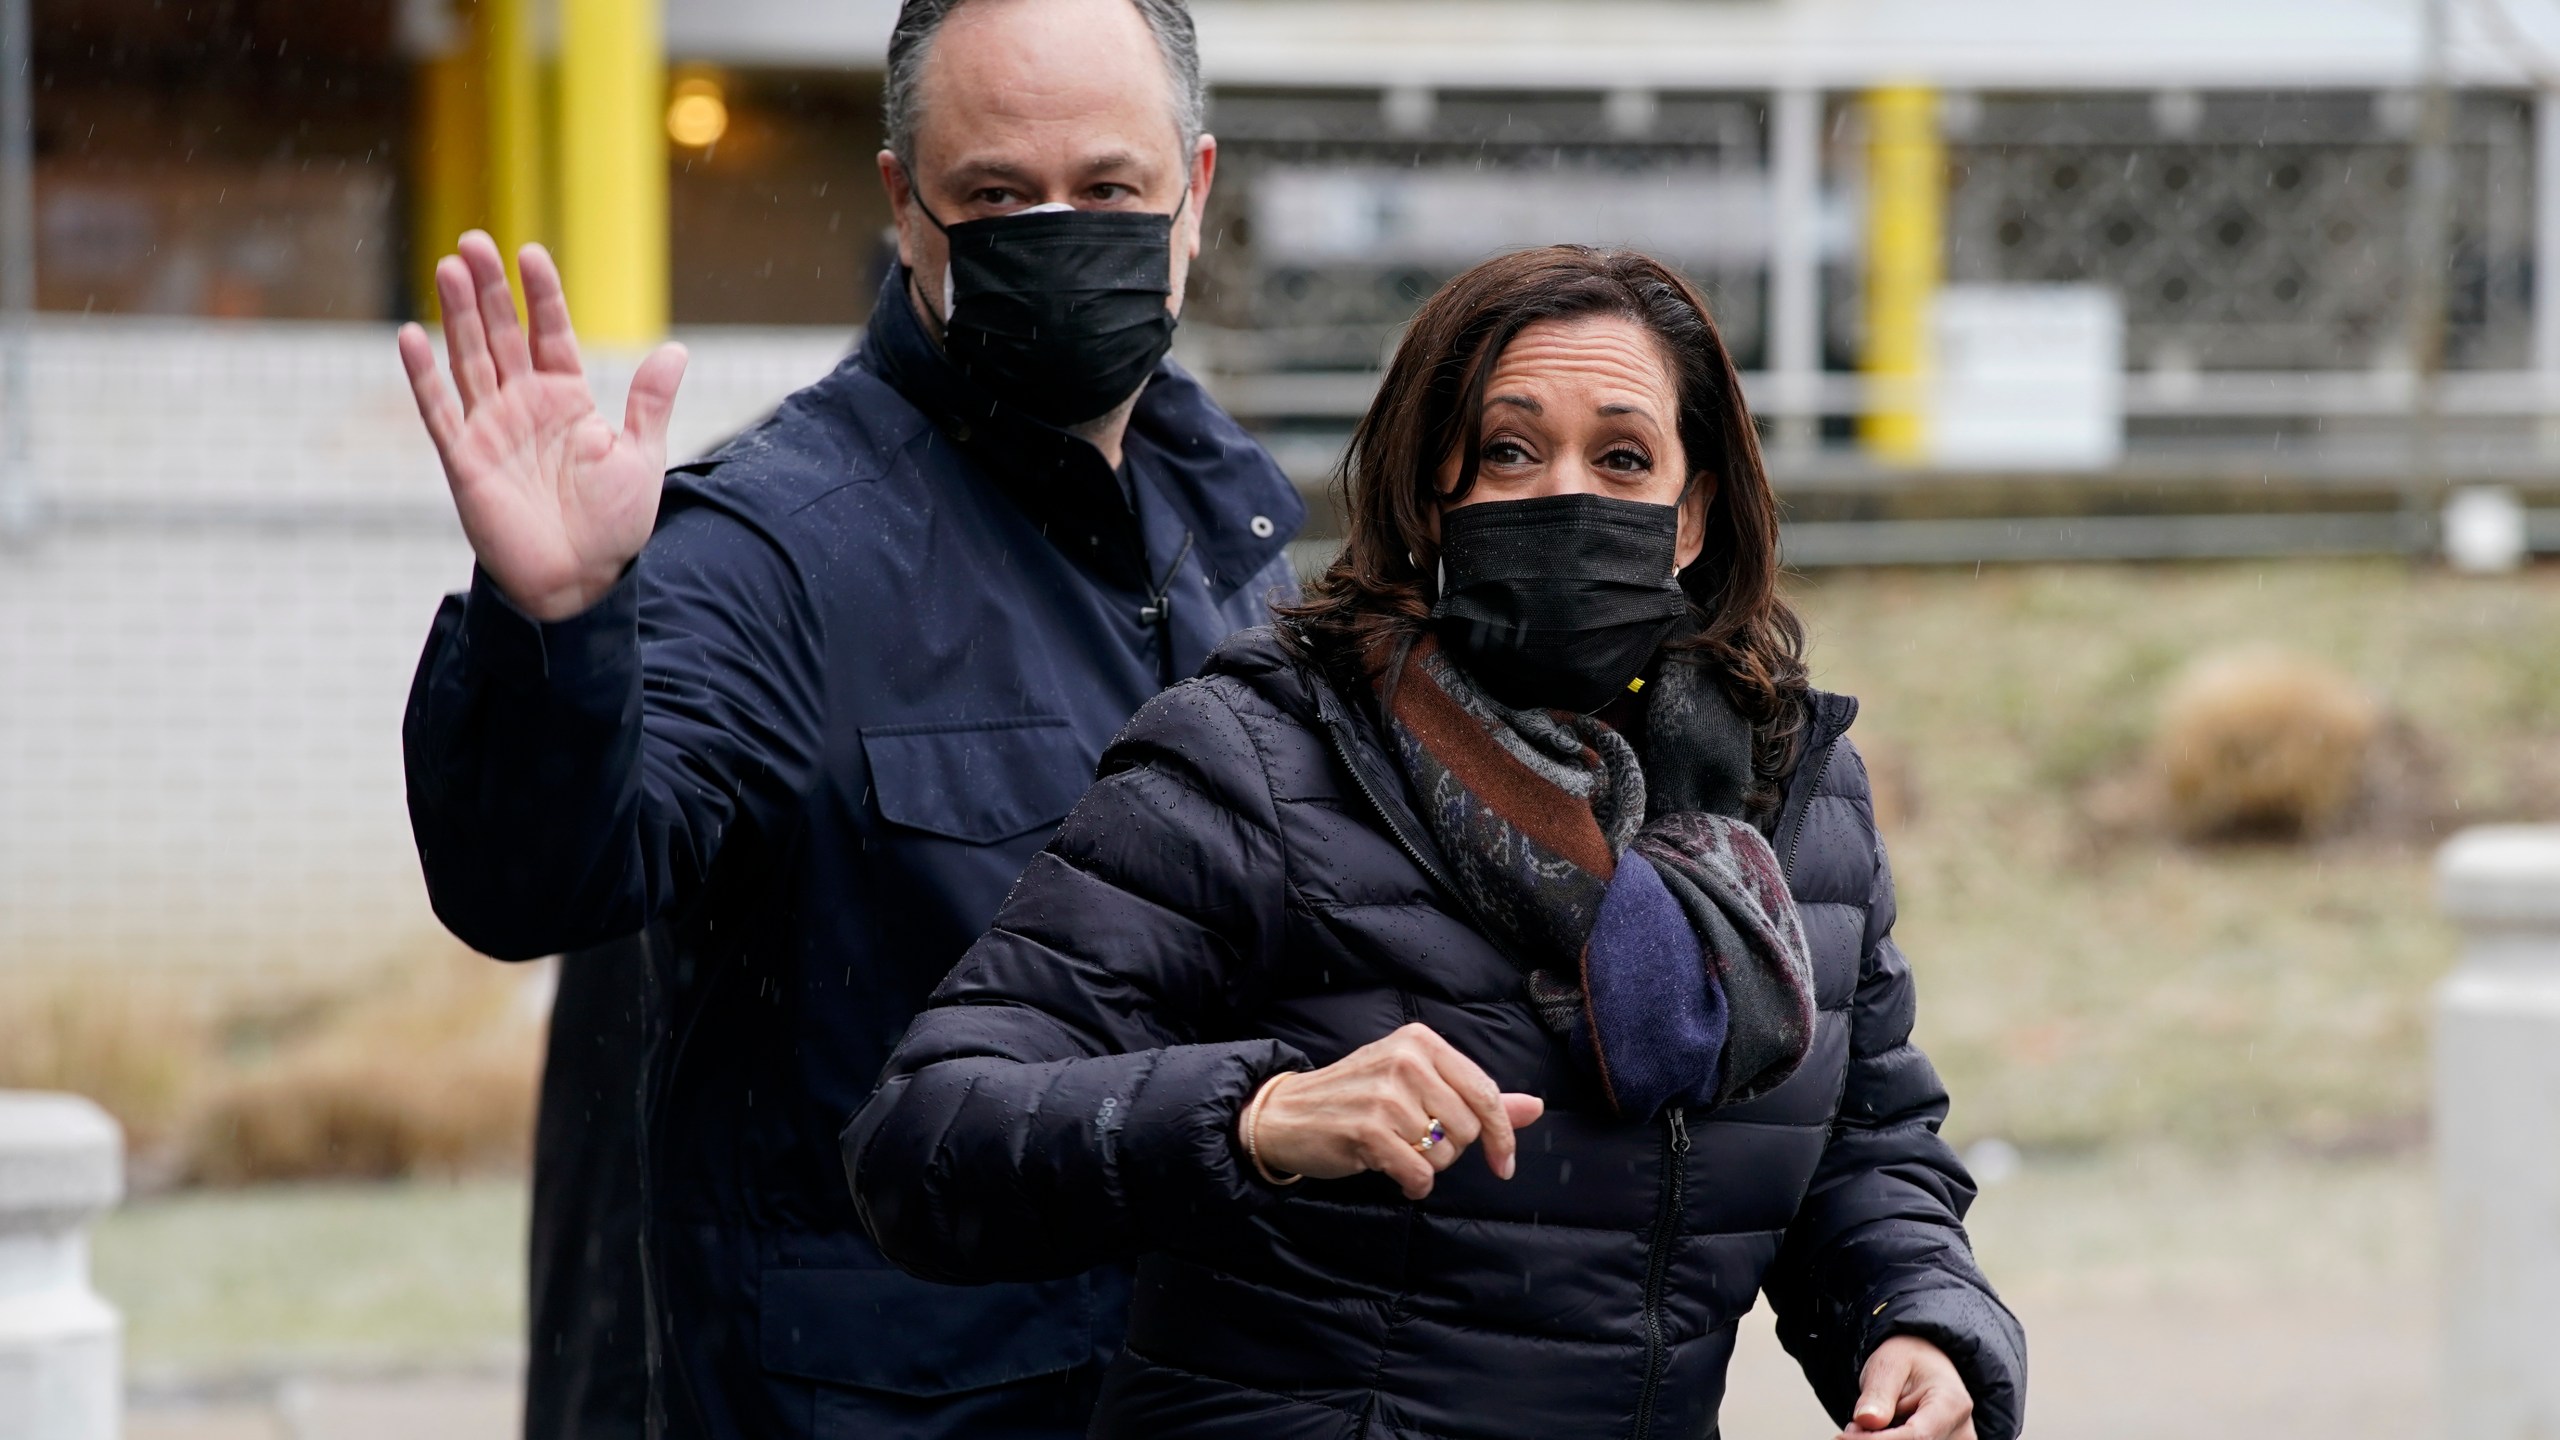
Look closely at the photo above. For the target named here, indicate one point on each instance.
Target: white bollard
(61, 1165)
(2486, 531)
(2497, 1128)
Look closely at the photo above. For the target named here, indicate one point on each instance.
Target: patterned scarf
(1666, 951)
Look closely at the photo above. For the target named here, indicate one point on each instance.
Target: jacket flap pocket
(886, 1330)
(980, 781)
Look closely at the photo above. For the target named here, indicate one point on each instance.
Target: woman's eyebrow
(1616, 410)
(1523, 401)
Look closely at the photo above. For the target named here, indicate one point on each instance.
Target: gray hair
(920, 20)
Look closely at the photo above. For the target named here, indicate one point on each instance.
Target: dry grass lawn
(291, 1277)
(2091, 982)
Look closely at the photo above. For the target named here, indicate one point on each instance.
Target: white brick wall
(205, 649)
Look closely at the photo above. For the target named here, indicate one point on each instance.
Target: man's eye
(992, 197)
(1111, 194)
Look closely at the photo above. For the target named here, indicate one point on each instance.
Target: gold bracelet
(1253, 1127)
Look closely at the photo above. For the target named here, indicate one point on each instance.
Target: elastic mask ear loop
(915, 193)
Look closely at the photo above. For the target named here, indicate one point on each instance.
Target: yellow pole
(1906, 262)
(451, 156)
(514, 97)
(613, 169)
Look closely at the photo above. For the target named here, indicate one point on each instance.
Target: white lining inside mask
(950, 299)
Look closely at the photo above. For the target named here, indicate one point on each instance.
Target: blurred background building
(2255, 301)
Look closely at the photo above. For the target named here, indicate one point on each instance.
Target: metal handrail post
(2430, 250)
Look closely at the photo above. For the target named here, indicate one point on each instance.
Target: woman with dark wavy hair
(1524, 831)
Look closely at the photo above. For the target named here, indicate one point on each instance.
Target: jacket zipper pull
(1679, 1130)
(1159, 607)
(1158, 612)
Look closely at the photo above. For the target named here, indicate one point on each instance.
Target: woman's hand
(1371, 1109)
(1911, 1386)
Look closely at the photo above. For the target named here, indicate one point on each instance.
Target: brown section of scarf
(1496, 777)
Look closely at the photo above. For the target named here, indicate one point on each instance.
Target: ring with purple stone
(1439, 1132)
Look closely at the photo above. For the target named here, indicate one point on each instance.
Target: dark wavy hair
(1431, 406)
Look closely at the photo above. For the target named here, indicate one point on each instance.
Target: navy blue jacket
(1250, 890)
(863, 669)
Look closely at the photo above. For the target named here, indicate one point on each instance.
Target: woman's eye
(1505, 452)
(1626, 462)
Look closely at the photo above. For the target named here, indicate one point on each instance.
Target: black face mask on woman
(1059, 313)
(1557, 602)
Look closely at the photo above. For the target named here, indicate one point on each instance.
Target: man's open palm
(555, 501)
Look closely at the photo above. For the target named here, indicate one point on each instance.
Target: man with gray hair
(804, 711)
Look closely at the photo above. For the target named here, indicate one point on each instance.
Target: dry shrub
(139, 1049)
(2262, 744)
(432, 1071)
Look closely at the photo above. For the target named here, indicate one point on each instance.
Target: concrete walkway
(2165, 1297)
(2360, 1369)
(469, 1405)
(2343, 1368)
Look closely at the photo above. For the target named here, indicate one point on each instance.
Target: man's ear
(1204, 173)
(1694, 505)
(902, 199)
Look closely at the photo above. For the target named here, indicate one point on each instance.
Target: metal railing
(2244, 464)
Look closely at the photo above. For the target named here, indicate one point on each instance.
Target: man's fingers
(546, 305)
(1483, 1099)
(497, 305)
(653, 396)
(436, 404)
(466, 344)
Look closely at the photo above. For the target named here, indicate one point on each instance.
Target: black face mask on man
(1059, 313)
(1557, 602)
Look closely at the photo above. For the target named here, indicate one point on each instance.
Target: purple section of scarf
(1657, 1014)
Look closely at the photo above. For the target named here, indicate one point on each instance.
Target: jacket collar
(1224, 487)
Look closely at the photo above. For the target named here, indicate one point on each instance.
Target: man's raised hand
(555, 501)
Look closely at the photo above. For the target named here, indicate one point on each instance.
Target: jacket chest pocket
(977, 781)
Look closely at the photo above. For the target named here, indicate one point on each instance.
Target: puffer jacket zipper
(1342, 751)
(1795, 842)
(1337, 730)
(1832, 717)
(1657, 1270)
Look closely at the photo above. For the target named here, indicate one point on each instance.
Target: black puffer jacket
(1246, 891)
